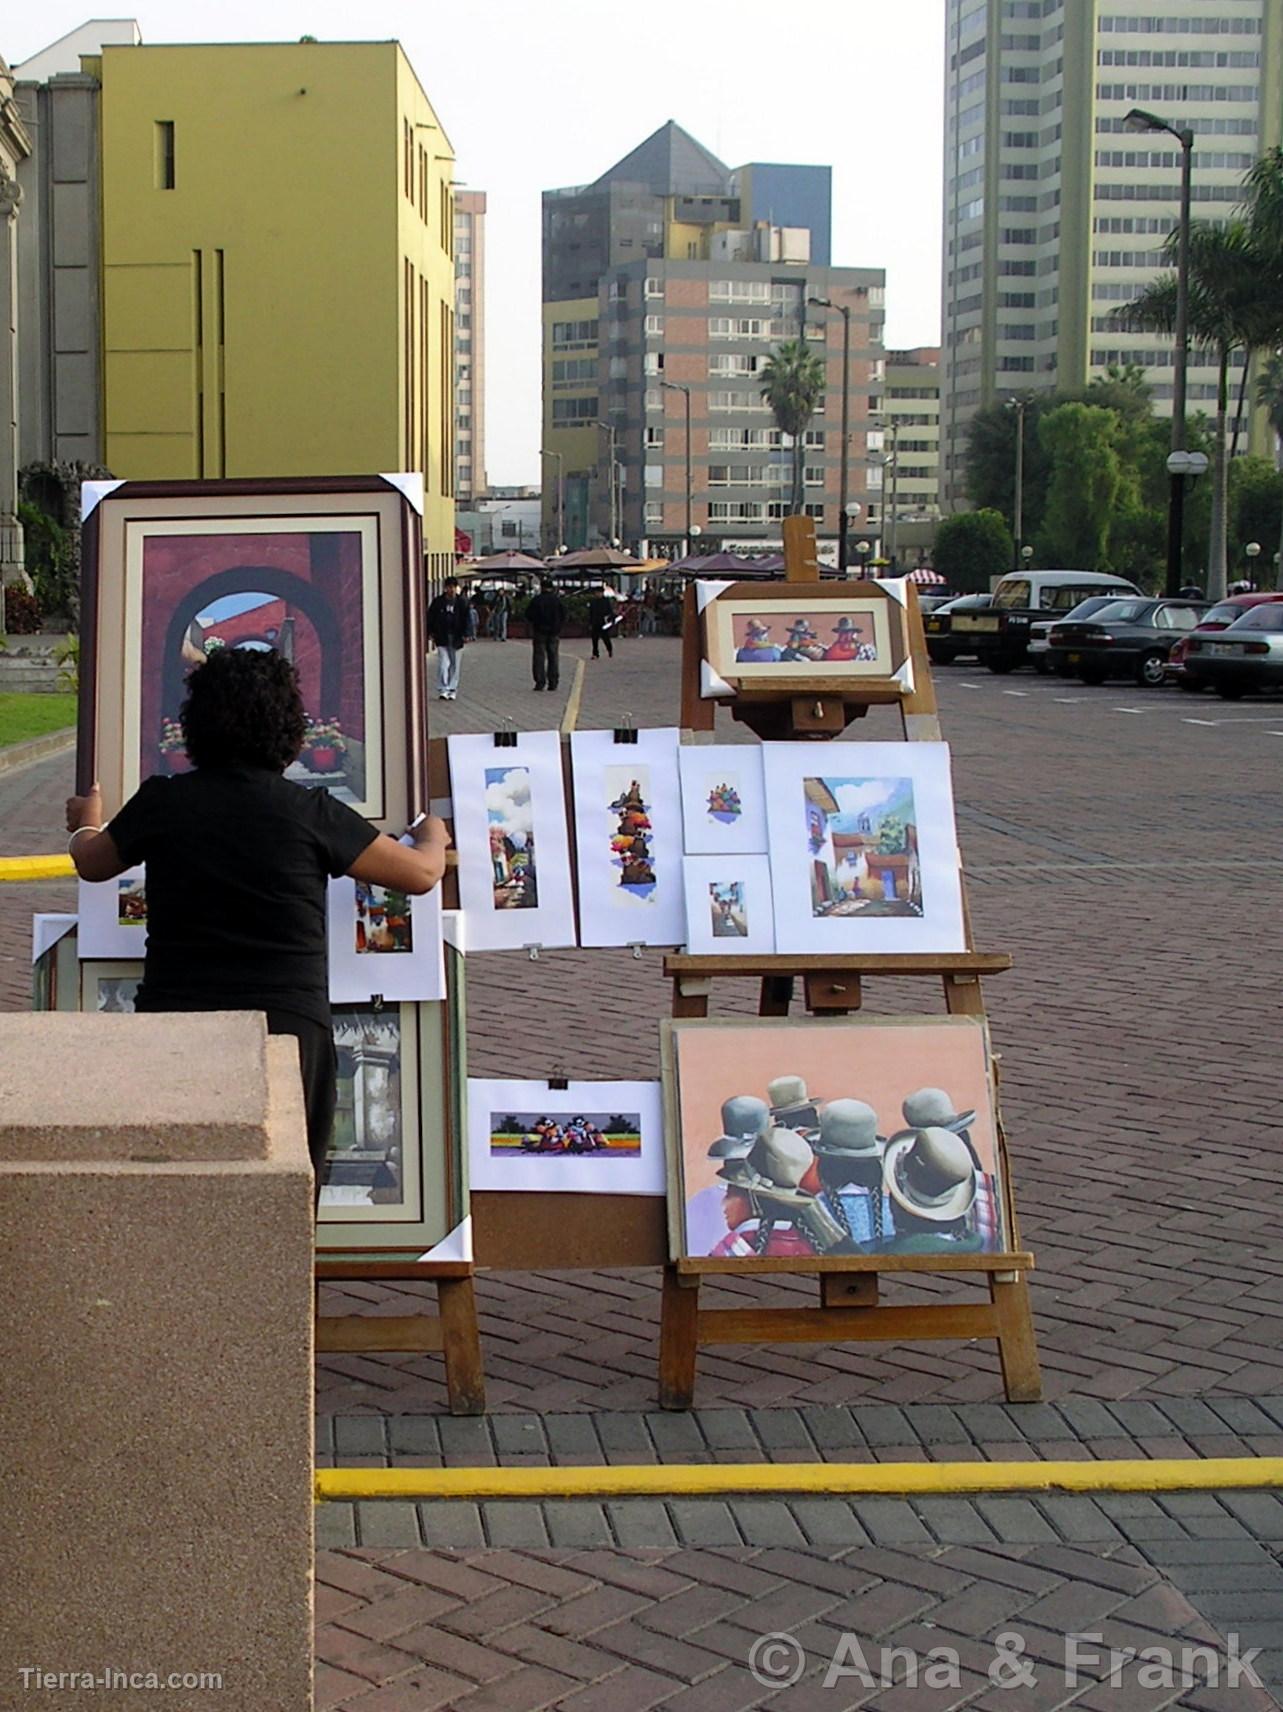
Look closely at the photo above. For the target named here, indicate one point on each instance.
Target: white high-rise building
(1054, 212)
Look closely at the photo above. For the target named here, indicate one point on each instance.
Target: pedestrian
(601, 619)
(546, 618)
(499, 617)
(448, 619)
(238, 864)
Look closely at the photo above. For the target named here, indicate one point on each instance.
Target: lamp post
(561, 496)
(844, 311)
(863, 549)
(613, 432)
(892, 462)
(676, 386)
(1026, 556)
(850, 513)
(1139, 120)
(1252, 553)
(1018, 510)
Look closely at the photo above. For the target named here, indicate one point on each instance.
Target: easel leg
(461, 1346)
(678, 1342)
(1017, 1348)
(777, 995)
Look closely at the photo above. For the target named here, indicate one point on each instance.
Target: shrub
(21, 612)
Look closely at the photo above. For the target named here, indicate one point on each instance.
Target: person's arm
(415, 868)
(93, 849)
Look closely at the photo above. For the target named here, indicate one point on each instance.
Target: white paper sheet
(728, 906)
(408, 483)
(628, 1161)
(723, 799)
(513, 844)
(47, 930)
(628, 834)
(456, 1246)
(864, 847)
(106, 927)
(395, 972)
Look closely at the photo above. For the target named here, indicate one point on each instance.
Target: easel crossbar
(845, 1325)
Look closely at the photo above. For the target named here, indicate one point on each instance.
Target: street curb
(704, 1480)
(19, 755)
(16, 868)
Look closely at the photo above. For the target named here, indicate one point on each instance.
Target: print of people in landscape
(862, 841)
(512, 838)
(806, 1177)
(600, 1135)
(631, 832)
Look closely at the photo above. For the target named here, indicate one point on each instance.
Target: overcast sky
(537, 94)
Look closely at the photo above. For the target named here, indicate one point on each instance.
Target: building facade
(15, 149)
(470, 343)
(264, 278)
(667, 283)
(912, 417)
(1054, 211)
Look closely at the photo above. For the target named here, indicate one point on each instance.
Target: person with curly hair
(238, 861)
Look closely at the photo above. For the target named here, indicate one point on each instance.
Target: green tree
(793, 382)
(990, 462)
(973, 548)
(1087, 483)
(891, 835)
(1269, 393)
(1256, 514)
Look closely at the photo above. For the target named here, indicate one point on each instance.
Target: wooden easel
(849, 1308)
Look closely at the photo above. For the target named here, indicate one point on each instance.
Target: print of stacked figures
(630, 842)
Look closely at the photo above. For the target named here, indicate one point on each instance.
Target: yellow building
(278, 269)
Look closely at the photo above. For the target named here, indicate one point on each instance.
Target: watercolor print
(804, 639)
(131, 901)
(630, 830)
(723, 807)
(383, 920)
(600, 1136)
(867, 1136)
(512, 837)
(862, 841)
(586, 1138)
(864, 848)
(728, 905)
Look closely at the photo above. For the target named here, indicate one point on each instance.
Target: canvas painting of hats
(840, 1138)
(814, 634)
(864, 847)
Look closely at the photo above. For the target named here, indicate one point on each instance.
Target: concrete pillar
(12, 569)
(155, 1361)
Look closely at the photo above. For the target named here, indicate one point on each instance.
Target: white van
(1019, 600)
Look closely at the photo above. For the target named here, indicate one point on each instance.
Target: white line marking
(1264, 721)
(1016, 692)
(1073, 700)
(1200, 722)
(1131, 710)
(968, 686)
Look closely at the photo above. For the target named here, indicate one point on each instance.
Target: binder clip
(635, 946)
(559, 1081)
(506, 736)
(627, 732)
(532, 950)
(376, 1003)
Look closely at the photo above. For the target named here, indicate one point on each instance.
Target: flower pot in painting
(178, 761)
(324, 759)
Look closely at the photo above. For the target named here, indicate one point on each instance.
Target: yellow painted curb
(570, 718)
(35, 867)
(709, 1480)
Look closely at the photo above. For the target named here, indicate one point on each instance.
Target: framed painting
(509, 807)
(723, 799)
(628, 836)
(112, 916)
(728, 906)
(55, 964)
(859, 1136)
(781, 638)
(326, 572)
(384, 943)
(864, 847)
(589, 1138)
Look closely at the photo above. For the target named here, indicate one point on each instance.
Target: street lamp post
(1018, 509)
(1139, 120)
(850, 512)
(676, 386)
(893, 462)
(613, 432)
(844, 310)
(561, 497)
(863, 549)
(1252, 553)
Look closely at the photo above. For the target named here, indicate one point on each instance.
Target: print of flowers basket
(323, 743)
(173, 746)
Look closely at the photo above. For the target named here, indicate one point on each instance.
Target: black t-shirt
(546, 614)
(237, 864)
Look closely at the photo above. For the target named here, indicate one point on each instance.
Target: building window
(164, 145)
(813, 475)
(653, 475)
(654, 287)
(654, 398)
(654, 436)
(653, 363)
(815, 511)
(654, 514)
(654, 326)
(573, 335)
(570, 410)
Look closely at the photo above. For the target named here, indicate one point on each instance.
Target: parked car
(1020, 599)
(1218, 617)
(949, 628)
(1040, 653)
(1247, 656)
(1126, 638)
(931, 600)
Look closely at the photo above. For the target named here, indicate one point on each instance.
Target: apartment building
(470, 343)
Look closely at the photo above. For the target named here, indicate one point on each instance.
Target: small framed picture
(589, 1138)
(728, 906)
(817, 633)
(113, 916)
(384, 942)
(723, 799)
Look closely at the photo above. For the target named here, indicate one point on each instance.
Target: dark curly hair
(244, 708)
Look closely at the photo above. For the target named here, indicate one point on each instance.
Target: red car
(1218, 617)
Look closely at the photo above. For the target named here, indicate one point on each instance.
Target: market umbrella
(924, 574)
(595, 559)
(507, 562)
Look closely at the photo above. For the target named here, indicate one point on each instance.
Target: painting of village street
(383, 919)
(512, 840)
(862, 840)
(593, 1135)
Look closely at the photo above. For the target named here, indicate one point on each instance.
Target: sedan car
(1126, 637)
(946, 640)
(1215, 619)
(1041, 655)
(1247, 656)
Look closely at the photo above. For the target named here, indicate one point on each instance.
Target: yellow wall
(578, 444)
(254, 314)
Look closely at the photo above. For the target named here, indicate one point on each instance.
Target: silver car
(1247, 656)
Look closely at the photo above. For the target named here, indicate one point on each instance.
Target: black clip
(559, 1083)
(506, 738)
(627, 732)
(376, 1003)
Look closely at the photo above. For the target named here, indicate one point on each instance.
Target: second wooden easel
(849, 1307)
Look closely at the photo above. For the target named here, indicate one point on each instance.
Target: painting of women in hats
(802, 642)
(755, 647)
(850, 641)
(788, 1137)
(845, 634)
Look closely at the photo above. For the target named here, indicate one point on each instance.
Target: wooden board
(546, 1232)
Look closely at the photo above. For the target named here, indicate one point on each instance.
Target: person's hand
(86, 810)
(433, 830)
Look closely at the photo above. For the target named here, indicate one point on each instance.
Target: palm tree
(1269, 395)
(793, 382)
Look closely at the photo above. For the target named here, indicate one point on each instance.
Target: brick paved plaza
(1124, 845)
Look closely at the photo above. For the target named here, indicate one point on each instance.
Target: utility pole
(1018, 509)
(844, 311)
(613, 432)
(676, 386)
(893, 428)
(560, 542)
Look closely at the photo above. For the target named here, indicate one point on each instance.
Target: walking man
(448, 628)
(546, 616)
(601, 618)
